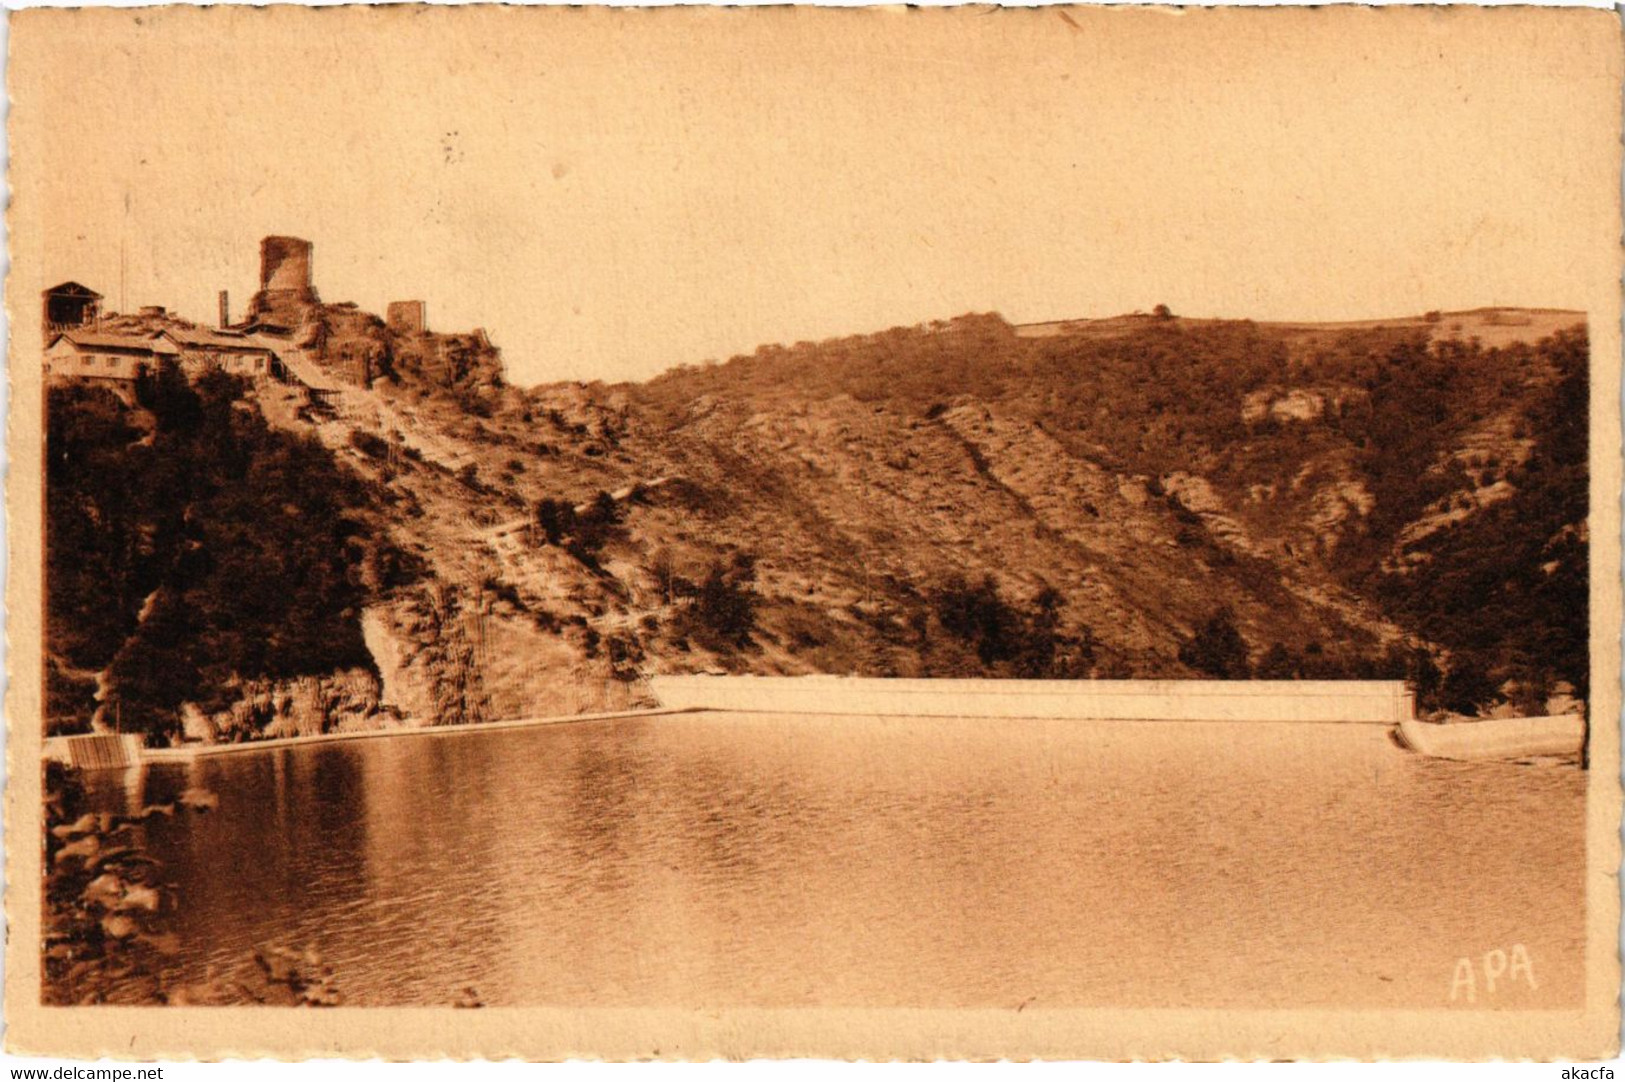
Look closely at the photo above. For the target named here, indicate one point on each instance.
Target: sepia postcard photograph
(1052, 533)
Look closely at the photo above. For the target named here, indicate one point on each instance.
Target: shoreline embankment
(1366, 702)
(1386, 703)
(62, 748)
(1371, 702)
(186, 753)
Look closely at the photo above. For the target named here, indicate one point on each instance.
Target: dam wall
(1375, 702)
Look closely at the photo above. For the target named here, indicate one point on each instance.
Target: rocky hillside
(1317, 497)
(1147, 496)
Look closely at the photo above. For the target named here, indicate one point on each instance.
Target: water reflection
(713, 860)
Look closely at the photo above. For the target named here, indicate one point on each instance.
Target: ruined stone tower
(285, 283)
(284, 264)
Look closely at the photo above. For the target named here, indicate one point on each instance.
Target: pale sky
(611, 194)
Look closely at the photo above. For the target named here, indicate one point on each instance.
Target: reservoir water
(730, 860)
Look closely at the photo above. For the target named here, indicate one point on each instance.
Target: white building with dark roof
(105, 358)
(240, 354)
(117, 358)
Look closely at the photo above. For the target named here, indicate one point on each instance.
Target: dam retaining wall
(1375, 702)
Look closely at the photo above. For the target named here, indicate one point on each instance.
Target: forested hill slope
(1148, 497)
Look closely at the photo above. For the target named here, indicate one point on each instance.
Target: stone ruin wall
(406, 317)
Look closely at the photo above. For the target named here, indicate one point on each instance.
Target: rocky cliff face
(427, 646)
(342, 701)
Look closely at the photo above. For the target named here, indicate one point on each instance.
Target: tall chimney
(225, 310)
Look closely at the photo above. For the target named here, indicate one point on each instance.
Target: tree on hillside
(1009, 640)
(723, 611)
(583, 534)
(555, 519)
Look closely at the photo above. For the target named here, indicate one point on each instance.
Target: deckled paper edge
(554, 1034)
